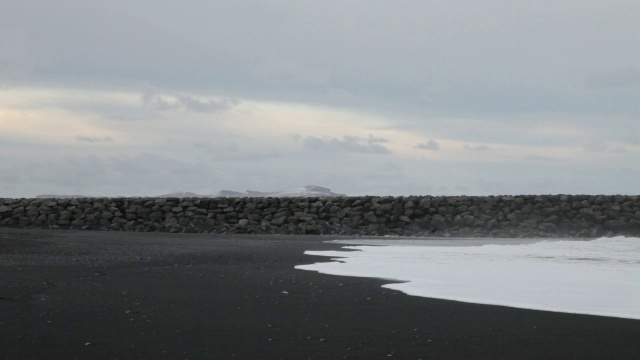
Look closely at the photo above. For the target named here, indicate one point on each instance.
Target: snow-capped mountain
(52, 196)
(304, 191)
(182, 194)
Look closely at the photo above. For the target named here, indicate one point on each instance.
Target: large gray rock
(615, 225)
(437, 222)
(371, 217)
(65, 215)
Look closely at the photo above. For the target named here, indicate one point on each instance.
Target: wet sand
(116, 295)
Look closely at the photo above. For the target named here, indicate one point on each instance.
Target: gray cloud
(620, 79)
(461, 71)
(230, 152)
(163, 169)
(477, 147)
(632, 139)
(385, 171)
(596, 146)
(381, 53)
(93, 139)
(600, 146)
(541, 158)
(349, 144)
(186, 102)
(206, 106)
(429, 145)
(139, 175)
(462, 189)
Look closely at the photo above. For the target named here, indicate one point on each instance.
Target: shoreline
(88, 294)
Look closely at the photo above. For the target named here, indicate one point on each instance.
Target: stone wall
(464, 216)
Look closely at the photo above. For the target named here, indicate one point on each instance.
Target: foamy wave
(598, 277)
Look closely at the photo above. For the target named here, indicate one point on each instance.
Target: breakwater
(449, 216)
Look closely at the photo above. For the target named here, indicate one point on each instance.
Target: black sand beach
(117, 295)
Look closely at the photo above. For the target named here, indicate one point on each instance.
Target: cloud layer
(365, 98)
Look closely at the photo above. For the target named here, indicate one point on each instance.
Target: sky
(429, 97)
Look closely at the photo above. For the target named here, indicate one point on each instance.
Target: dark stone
(118, 220)
(547, 227)
(615, 225)
(437, 222)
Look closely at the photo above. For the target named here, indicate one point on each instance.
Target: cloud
(94, 175)
(619, 79)
(93, 139)
(405, 49)
(477, 148)
(429, 145)
(206, 106)
(424, 70)
(541, 158)
(348, 144)
(290, 70)
(186, 102)
(385, 171)
(598, 146)
(462, 189)
(230, 152)
(632, 139)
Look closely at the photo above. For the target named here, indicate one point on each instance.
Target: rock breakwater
(448, 216)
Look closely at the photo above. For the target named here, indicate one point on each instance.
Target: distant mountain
(51, 196)
(305, 191)
(182, 194)
(229, 193)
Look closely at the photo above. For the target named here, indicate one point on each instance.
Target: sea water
(596, 277)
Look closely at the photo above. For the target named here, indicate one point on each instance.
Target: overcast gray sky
(365, 97)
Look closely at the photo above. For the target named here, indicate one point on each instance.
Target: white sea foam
(597, 277)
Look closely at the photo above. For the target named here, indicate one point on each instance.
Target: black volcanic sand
(116, 295)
